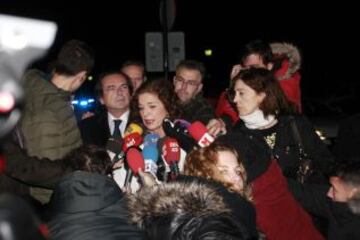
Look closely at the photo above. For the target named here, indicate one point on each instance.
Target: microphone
(133, 127)
(135, 162)
(199, 132)
(171, 154)
(150, 153)
(114, 145)
(151, 139)
(183, 123)
(132, 136)
(180, 134)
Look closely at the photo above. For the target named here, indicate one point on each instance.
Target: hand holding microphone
(200, 133)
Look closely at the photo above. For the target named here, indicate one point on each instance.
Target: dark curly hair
(89, 158)
(164, 90)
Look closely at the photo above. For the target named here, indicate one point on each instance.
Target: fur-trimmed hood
(183, 198)
(291, 54)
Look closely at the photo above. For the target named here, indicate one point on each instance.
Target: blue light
(83, 103)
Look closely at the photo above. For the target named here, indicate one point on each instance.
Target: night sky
(327, 35)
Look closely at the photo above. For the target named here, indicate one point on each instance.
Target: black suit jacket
(95, 130)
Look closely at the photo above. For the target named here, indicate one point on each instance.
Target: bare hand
(147, 179)
(118, 164)
(87, 115)
(235, 70)
(216, 127)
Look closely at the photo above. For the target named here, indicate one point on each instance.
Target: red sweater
(278, 214)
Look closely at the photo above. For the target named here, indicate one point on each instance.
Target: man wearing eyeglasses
(188, 83)
(114, 90)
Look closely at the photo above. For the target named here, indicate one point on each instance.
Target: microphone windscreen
(197, 130)
(168, 127)
(183, 123)
(150, 153)
(133, 128)
(114, 145)
(171, 151)
(135, 160)
(133, 139)
(185, 141)
(151, 139)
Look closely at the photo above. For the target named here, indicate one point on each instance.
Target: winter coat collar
(192, 198)
(83, 192)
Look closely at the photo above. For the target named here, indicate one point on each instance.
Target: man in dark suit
(114, 90)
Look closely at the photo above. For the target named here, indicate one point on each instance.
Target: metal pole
(165, 39)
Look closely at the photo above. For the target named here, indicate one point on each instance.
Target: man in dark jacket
(87, 204)
(339, 204)
(114, 90)
(188, 83)
(48, 124)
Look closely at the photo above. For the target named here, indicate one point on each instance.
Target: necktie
(117, 133)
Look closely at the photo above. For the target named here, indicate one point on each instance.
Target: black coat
(95, 130)
(241, 208)
(343, 224)
(90, 206)
(346, 148)
(34, 171)
(286, 148)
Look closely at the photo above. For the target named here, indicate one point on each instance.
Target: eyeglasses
(230, 94)
(181, 81)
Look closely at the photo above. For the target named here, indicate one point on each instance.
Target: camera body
(22, 40)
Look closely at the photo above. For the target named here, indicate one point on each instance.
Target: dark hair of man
(98, 86)
(263, 80)
(260, 48)
(192, 65)
(75, 56)
(133, 63)
(164, 90)
(349, 173)
(89, 158)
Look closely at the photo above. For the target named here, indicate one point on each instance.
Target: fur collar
(292, 55)
(192, 198)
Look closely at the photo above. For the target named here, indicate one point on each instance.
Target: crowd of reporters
(158, 163)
